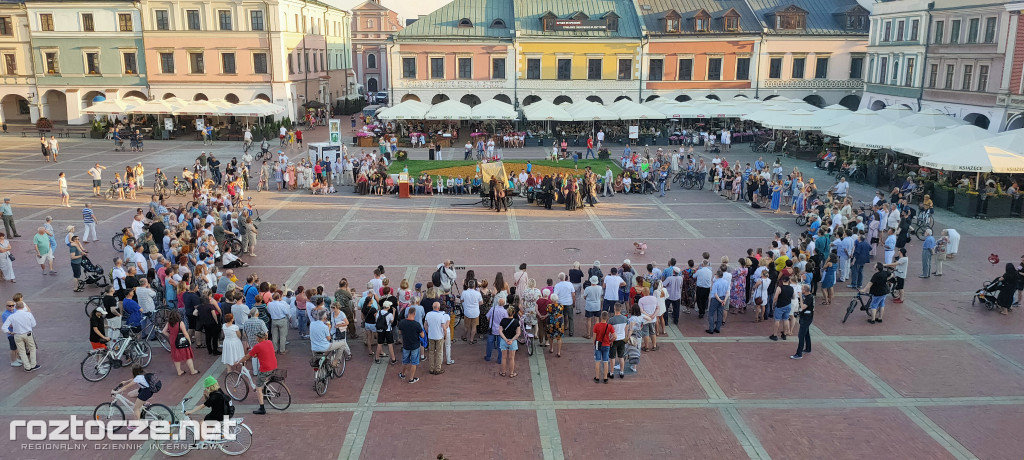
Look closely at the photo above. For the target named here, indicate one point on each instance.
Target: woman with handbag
(176, 330)
(6, 259)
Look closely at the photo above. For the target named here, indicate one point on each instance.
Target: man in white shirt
(145, 296)
(435, 323)
(137, 226)
(649, 312)
(96, 172)
(842, 188)
(704, 278)
(141, 264)
(566, 293)
(20, 325)
(612, 283)
(600, 139)
(279, 311)
(471, 299)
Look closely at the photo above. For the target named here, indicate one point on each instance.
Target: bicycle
(526, 338)
(91, 304)
(174, 447)
(155, 324)
(862, 300)
(114, 410)
(275, 392)
(160, 184)
(98, 363)
(234, 243)
(112, 192)
(922, 222)
(324, 370)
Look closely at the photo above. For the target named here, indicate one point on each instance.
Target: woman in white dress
(6, 267)
(954, 242)
(232, 349)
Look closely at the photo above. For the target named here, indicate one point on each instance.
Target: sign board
(580, 24)
(323, 150)
(200, 125)
(335, 128)
(169, 124)
(634, 132)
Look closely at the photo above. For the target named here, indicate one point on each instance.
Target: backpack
(229, 407)
(436, 278)
(594, 271)
(382, 323)
(154, 384)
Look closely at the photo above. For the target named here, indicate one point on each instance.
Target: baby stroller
(119, 144)
(988, 294)
(92, 274)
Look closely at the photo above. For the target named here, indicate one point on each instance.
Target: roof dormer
(547, 21)
(853, 18)
(498, 23)
(611, 21)
(731, 20)
(702, 21)
(791, 17)
(579, 16)
(672, 21)
(465, 23)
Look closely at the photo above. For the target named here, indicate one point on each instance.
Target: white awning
(589, 111)
(856, 121)
(932, 118)
(545, 110)
(800, 119)
(629, 110)
(942, 140)
(896, 112)
(156, 107)
(449, 110)
(883, 137)
(493, 109)
(999, 154)
(114, 107)
(407, 110)
(205, 108)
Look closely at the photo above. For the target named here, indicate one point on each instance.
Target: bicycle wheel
(530, 346)
(236, 245)
(320, 380)
(165, 343)
(457, 314)
(178, 447)
(920, 232)
(91, 304)
(158, 412)
(236, 386)
(95, 366)
(117, 243)
(109, 412)
(801, 220)
(339, 370)
(849, 310)
(277, 395)
(241, 443)
(141, 353)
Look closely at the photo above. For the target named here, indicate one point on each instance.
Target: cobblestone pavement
(938, 379)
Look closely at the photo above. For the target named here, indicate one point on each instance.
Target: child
(640, 247)
(147, 383)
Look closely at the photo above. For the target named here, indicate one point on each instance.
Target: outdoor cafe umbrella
(449, 110)
(113, 107)
(156, 107)
(406, 110)
(629, 110)
(205, 108)
(764, 112)
(799, 120)
(941, 141)
(493, 109)
(999, 154)
(932, 118)
(856, 121)
(545, 110)
(254, 108)
(831, 115)
(896, 112)
(589, 111)
(883, 137)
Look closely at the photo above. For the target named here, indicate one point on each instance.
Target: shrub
(401, 155)
(44, 123)
(603, 154)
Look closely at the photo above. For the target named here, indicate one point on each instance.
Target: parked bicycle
(123, 352)
(526, 338)
(275, 392)
(324, 370)
(176, 447)
(119, 404)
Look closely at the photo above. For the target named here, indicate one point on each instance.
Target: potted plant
(44, 123)
(999, 204)
(603, 154)
(401, 155)
(966, 203)
(942, 196)
(97, 131)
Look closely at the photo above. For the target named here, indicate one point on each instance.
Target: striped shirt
(87, 216)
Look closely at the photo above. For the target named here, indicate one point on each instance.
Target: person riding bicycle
(146, 384)
(264, 352)
(321, 341)
(214, 398)
(265, 147)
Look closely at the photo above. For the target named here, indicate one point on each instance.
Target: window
(743, 68)
(124, 22)
(883, 68)
(856, 21)
(465, 68)
(914, 26)
(895, 70)
(933, 75)
(701, 24)
(167, 62)
(612, 23)
(197, 63)
(23, 107)
(982, 77)
(798, 67)
(437, 68)
(775, 67)
(940, 27)
(594, 69)
(465, 23)
(968, 76)
(315, 69)
(656, 69)
(990, 30)
(371, 61)
(899, 31)
(227, 63)
(256, 19)
(369, 23)
(821, 68)
(714, 69)
(498, 68)
(5, 26)
(856, 67)
(10, 64)
(162, 23)
(131, 65)
(564, 69)
(972, 30)
(192, 17)
(625, 69)
(671, 25)
(498, 24)
(732, 23)
(224, 19)
(954, 32)
(408, 67)
(533, 69)
(259, 63)
(685, 69)
(291, 64)
(52, 66)
(92, 63)
(88, 25)
(790, 21)
(46, 22)
(887, 34)
(950, 68)
(908, 79)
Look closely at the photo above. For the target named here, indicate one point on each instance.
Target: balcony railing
(581, 85)
(814, 84)
(452, 84)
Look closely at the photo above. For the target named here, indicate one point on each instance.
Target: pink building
(372, 27)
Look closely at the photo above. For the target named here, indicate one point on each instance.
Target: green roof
(465, 19)
(529, 12)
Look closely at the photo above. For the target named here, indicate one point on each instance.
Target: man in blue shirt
(890, 246)
(759, 165)
(927, 249)
(250, 290)
(320, 337)
(132, 310)
(861, 256)
(719, 298)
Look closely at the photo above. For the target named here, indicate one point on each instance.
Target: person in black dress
(1005, 297)
(806, 316)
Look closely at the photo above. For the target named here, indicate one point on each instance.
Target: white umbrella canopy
(668, 107)
(883, 137)
(896, 112)
(999, 154)
(449, 110)
(493, 109)
(856, 121)
(629, 110)
(113, 107)
(799, 119)
(932, 118)
(156, 107)
(832, 114)
(762, 113)
(942, 140)
(254, 108)
(545, 110)
(206, 108)
(589, 111)
(407, 110)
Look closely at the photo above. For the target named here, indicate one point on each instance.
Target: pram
(119, 144)
(988, 293)
(92, 274)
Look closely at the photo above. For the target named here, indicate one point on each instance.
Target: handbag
(424, 342)
(180, 341)
(10, 256)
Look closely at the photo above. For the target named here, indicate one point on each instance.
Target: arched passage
(470, 99)
(55, 105)
(89, 98)
(530, 100)
(563, 100)
(371, 85)
(712, 97)
(595, 99)
(877, 105)
(410, 97)
(650, 98)
(263, 97)
(740, 96)
(232, 98)
(815, 100)
(682, 98)
(15, 108)
(200, 97)
(978, 120)
(1015, 123)
(851, 102)
(138, 94)
(773, 96)
(439, 98)
(624, 97)
(503, 98)
(168, 96)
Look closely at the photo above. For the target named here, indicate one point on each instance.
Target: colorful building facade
(372, 28)
(17, 77)
(1013, 98)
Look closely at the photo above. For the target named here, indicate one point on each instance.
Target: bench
(33, 129)
(84, 132)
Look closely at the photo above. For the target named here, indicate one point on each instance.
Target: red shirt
(603, 333)
(264, 351)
